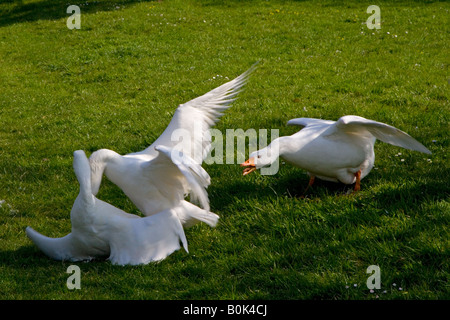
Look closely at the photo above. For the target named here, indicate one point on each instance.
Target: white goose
(152, 182)
(339, 151)
(101, 230)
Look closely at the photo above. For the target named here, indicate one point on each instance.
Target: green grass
(115, 84)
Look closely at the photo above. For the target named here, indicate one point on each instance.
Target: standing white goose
(152, 182)
(101, 230)
(339, 151)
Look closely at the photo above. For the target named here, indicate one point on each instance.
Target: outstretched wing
(381, 131)
(177, 174)
(188, 130)
(148, 239)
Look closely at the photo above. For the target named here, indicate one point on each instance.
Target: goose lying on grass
(152, 182)
(101, 230)
(339, 151)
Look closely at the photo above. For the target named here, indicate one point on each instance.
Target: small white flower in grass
(406, 31)
(394, 284)
(1, 202)
(346, 287)
(355, 285)
(388, 32)
(434, 141)
(372, 291)
(402, 160)
(400, 289)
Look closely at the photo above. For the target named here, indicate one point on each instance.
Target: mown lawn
(115, 84)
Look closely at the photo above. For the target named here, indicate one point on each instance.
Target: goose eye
(259, 156)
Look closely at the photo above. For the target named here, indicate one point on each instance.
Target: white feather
(150, 178)
(101, 230)
(196, 117)
(335, 150)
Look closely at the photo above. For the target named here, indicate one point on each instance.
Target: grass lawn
(115, 84)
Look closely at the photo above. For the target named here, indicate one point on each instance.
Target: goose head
(261, 159)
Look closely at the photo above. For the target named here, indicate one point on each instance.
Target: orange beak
(250, 163)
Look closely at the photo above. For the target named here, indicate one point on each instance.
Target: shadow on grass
(16, 11)
(292, 185)
(29, 255)
(23, 257)
(422, 188)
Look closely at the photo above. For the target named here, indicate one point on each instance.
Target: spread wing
(381, 131)
(189, 128)
(176, 175)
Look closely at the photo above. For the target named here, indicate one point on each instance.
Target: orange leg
(310, 183)
(358, 181)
